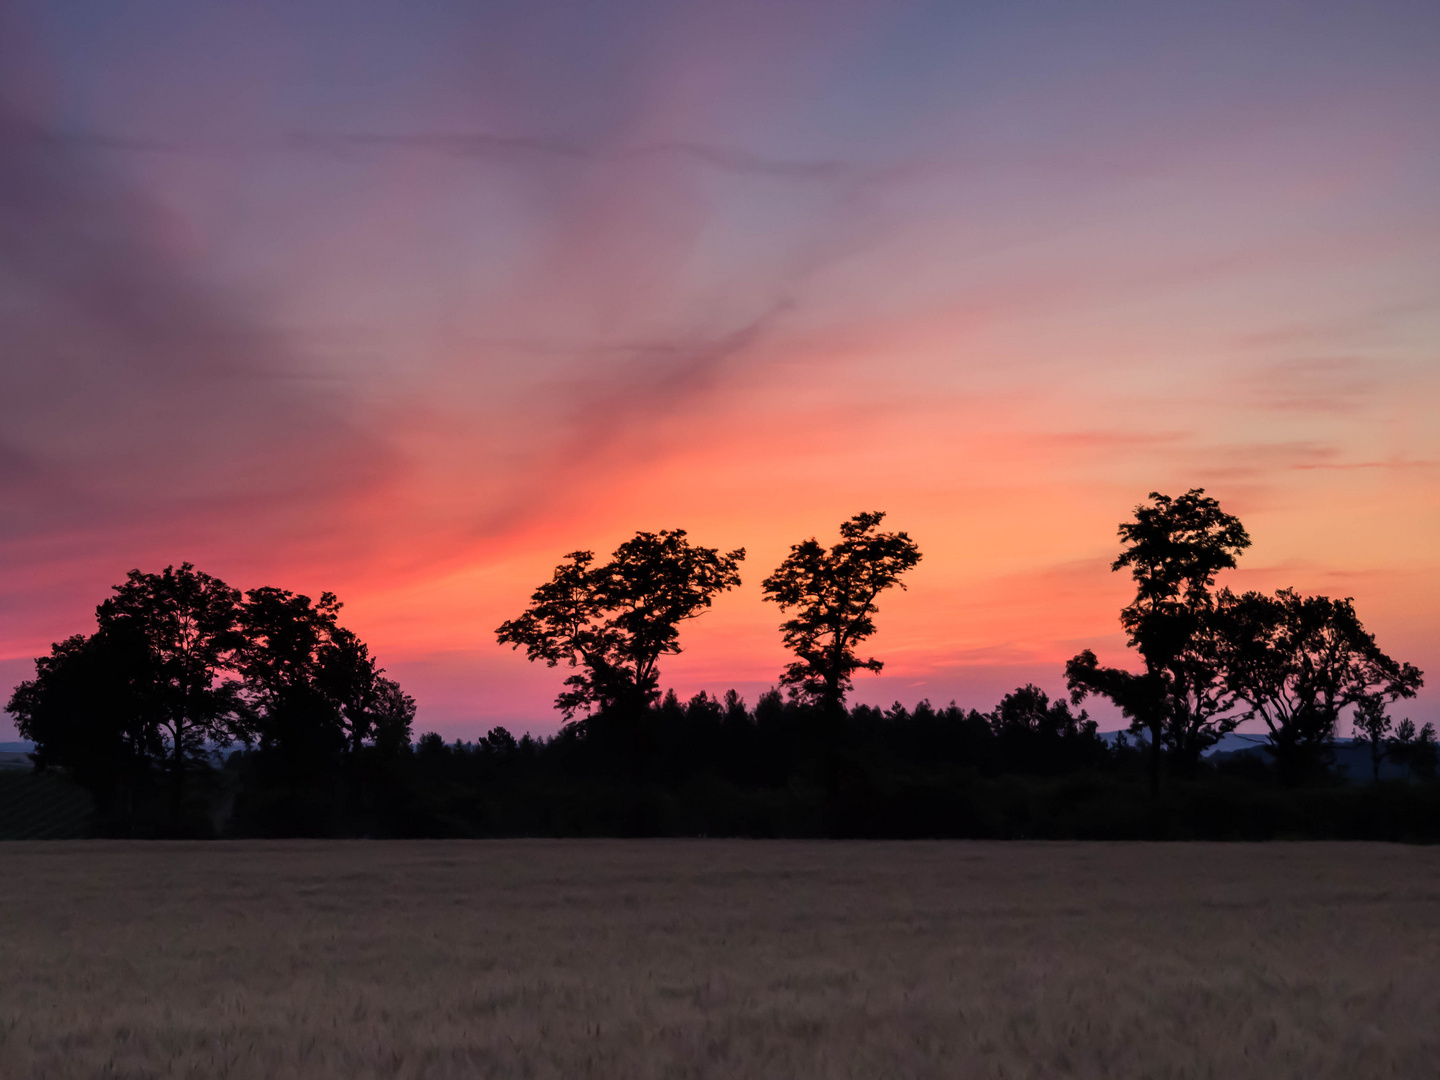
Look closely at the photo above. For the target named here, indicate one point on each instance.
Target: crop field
(41, 807)
(717, 959)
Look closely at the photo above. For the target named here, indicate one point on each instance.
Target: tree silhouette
(180, 664)
(286, 640)
(186, 626)
(87, 714)
(1043, 736)
(833, 593)
(613, 622)
(1175, 547)
(368, 705)
(1415, 751)
(391, 716)
(1298, 662)
(1373, 727)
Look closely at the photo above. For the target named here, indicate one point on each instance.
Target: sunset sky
(407, 300)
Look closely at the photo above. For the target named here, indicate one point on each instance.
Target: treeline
(182, 667)
(1031, 767)
(1209, 660)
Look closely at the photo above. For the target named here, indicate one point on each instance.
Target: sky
(407, 300)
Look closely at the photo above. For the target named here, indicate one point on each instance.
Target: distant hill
(1352, 760)
(21, 747)
(1238, 742)
(1234, 742)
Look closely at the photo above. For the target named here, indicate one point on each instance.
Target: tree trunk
(177, 773)
(1154, 761)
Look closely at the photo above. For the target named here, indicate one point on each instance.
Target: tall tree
(1298, 662)
(286, 640)
(1173, 549)
(613, 622)
(186, 626)
(833, 593)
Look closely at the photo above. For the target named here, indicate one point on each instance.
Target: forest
(196, 710)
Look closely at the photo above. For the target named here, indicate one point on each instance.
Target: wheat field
(718, 959)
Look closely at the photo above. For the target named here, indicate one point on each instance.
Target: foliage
(1415, 751)
(369, 707)
(1030, 767)
(184, 625)
(1213, 661)
(1297, 662)
(87, 713)
(613, 622)
(833, 593)
(179, 667)
(1175, 547)
(180, 664)
(1045, 734)
(1373, 727)
(286, 638)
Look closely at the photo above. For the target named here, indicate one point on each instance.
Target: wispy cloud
(1326, 384)
(136, 388)
(487, 147)
(408, 300)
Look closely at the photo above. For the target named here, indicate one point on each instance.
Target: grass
(42, 806)
(718, 959)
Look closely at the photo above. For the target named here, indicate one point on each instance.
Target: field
(718, 959)
(41, 806)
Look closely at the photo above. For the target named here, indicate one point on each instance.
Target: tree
(1372, 727)
(369, 706)
(87, 714)
(391, 716)
(151, 683)
(1141, 698)
(1415, 751)
(184, 625)
(833, 593)
(1037, 735)
(1298, 662)
(1174, 549)
(287, 638)
(613, 622)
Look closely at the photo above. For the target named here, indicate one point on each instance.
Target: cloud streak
(481, 146)
(138, 393)
(408, 302)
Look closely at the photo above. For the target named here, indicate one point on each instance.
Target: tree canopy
(1174, 548)
(833, 592)
(87, 713)
(1214, 660)
(1297, 662)
(185, 626)
(180, 665)
(613, 622)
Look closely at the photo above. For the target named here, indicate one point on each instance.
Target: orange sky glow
(420, 308)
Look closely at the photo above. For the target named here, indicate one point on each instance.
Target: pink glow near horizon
(406, 306)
